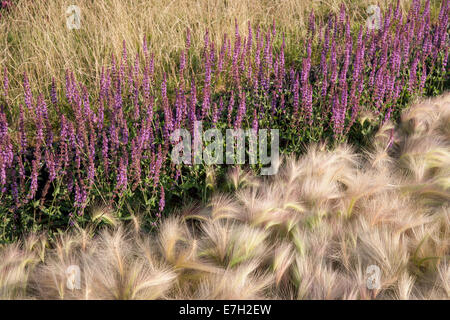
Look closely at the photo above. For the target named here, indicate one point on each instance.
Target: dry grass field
(37, 41)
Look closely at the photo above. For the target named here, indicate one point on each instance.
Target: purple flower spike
(162, 201)
(188, 39)
(312, 23)
(28, 96)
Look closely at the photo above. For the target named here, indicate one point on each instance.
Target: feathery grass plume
(49, 280)
(421, 150)
(239, 178)
(223, 206)
(179, 248)
(243, 282)
(118, 270)
(215, 242)
(246, 243)
(103, 214)
(16, 264)
(283, 258)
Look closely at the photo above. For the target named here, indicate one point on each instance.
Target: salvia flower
(162, 201)
(188, 39)
(27, 94)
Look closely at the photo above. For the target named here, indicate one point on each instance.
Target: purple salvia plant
(212, 57)
(6, 149)
(337, 116)
(241, 110)
(122, 175)
(221, 107)
(312, 24)
(206, 44)
(63, 159)
(305, 89)
(27, 94)
(423, 76)
(380, 86)
(22, 133)
(188, 39)
(215, 115)
(250, 38)
(222, 55)
(193, 101)
(157, 167)
(91, 158)
(347, 55)
(412, 74)
(206, 88)
(178, 109)
(323, 59)
(54, 99)
(182, 63)
(36, 162)
(168, 120)
(445, 59)
(333, 62)
(105, 155)
(296, 89)
(255, 124)
(136, 152)
(162, 201)
(230, 108)
(341, 16)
